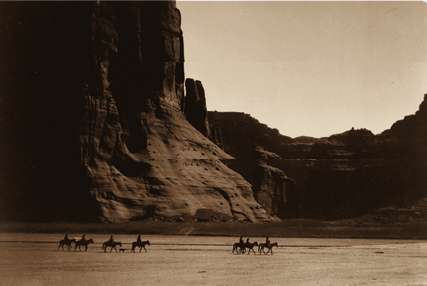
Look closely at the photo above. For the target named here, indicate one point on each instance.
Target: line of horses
(66, 241)
(135, 244)
(240, 247)
(110, 243)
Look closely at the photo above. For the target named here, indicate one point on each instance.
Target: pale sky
(309, 68)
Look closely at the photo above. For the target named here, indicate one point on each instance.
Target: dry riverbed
(33, 259)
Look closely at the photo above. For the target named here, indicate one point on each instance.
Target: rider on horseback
(138, 239)
(267, 241)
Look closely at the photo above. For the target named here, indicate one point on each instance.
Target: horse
(83, 242)
(267, 245)
(111, 244)
(261, 247)
(238, 245)
(67, 242)
(140, 244)
(250, 246)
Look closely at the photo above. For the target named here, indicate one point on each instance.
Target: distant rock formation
(96, 117)
(272, 188)
(343, 176)
(254, 146)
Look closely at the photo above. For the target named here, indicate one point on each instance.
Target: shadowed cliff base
(287, 228)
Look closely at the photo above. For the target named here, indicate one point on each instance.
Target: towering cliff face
(100, 88)
(345, 175)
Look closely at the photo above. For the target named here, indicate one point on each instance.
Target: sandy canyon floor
(33, 259)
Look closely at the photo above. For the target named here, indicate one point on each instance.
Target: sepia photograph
(213, 143)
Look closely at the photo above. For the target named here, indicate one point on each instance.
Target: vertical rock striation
(195, 106)
(108, 79)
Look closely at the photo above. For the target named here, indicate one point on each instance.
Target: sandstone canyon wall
(95, 116)
(255, 146)
(346, 175)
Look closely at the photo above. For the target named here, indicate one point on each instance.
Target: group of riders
(110, 243)
(67, 241)
(240, 247)
(111, 238)
(267, 240)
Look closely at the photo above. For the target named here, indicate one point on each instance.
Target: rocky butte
(95, 118)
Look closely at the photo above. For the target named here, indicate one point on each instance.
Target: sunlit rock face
(112, 75)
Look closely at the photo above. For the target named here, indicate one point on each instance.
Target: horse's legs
(86, 248)
(145, 249)
(236, 248)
